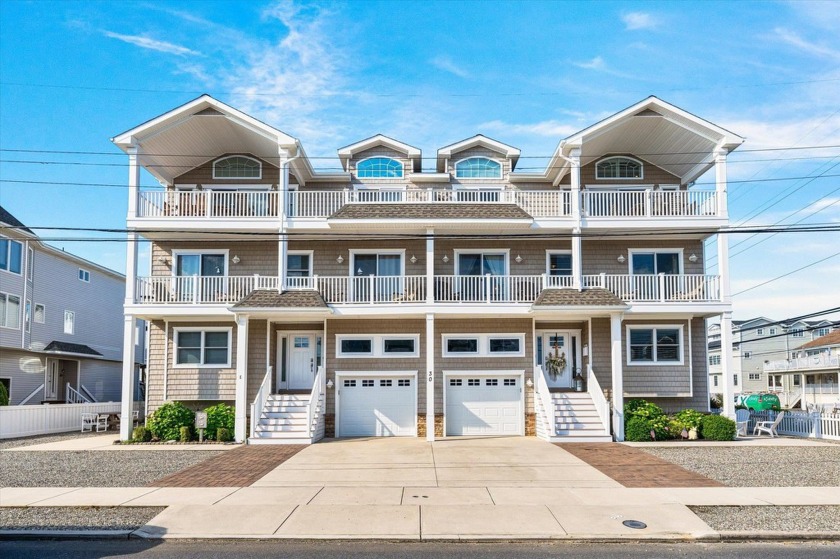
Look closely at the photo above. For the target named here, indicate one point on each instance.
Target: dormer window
(379, 168)
(619, 168)
(237, 167)
(478, 168)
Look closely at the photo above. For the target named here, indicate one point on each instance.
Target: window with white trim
(759, 331)
(9, 311)
(654, 345)
(11, 255)
(715, 380)
(30, 263)
(69, 322)
(654, 262)
(755, 376)
(237, 167)
(500, 345)
(7, 382)
(714, 360)
(40, 313)
(748, 355)
(619, 168)
(202, 348)
(27, 315)
(478, 168)
(773, 331)
(559, 263)
(735, 380)
(822, 332)
(299, 264)
(84, 275)
(483, 345)
(353, 347)
(379, 168)
(798, 333)
(393, 346)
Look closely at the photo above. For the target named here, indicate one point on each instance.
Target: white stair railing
(88, 393)
(314, 397)
(598, 398)
(542, 392)
(260, 399)
(73, 396)
(32, 394)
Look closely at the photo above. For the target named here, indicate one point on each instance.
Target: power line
(791, 319)
(787, 274)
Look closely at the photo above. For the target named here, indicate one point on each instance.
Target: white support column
(577, 250)
(726, 364)
(133, 181)
(430, 377)
(720, 183)
(283, 242)
(241, 419)
(127, 404)
(430, 266)
(617, 377)
(577, 259)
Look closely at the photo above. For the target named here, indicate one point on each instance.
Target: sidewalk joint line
(286, 519)
(226, 496)
(315, 495)
(551, 512)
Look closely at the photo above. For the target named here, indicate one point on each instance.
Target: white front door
(301, 371)
(52, 380)
(553, 348)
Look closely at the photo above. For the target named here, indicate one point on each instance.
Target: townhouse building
(61, 327)
(814, 371)
(387, 299)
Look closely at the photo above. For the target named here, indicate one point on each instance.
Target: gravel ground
(41, 439)
(769, 518)
(759, 466)
(103, 468)
(76, 518)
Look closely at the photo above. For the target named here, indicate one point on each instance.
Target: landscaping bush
(643, 409)
(653, 416)
(141, 435)
(166, 422)
(218, 417)
(689, 419)
(184, 434)
(223, 434)
(717, 428)
(637, 429)
(4, 395)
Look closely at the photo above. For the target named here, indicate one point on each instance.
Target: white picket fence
(801, 424)
(25, 421)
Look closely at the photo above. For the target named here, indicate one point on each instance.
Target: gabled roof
(663, 134)
(830, 339)
(9, 219)
(273, 299)
(447, 152)
(347, 152)
(67, 347)
(569, 297)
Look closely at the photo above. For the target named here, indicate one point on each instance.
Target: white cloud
(795, 40)
(639, 20)
(553, 128)
(596, 63)
(152, 44)
(447, 65)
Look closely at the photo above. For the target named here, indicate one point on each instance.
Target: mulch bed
(235, 468)
(634, 468)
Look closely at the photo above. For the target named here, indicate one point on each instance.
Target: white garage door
(377, 407)
(483, 405)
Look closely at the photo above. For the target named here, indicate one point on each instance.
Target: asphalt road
(204, 549)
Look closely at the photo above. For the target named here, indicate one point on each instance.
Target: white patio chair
(101, 422)
(135, 418)
(88, 421)
(769, 427)
(742, 419)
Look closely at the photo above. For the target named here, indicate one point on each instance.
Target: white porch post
(283, 245)
(241, 418)
(430, 377)
(720, 183)
(430, 266)
(726, 364)
(133, 180)
(617, 377)
(127, 404)
(577, 250)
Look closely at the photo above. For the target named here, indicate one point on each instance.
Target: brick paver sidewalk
(635, 468)
(236, 468)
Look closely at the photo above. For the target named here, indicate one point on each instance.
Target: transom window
(357, 347)
(379, 168)
(619, 168)
(11, 254)
(478, 168)
(237, 167)
(9, 311)
(199, 348)
(656, 345)
(483, 345)
(378, 345)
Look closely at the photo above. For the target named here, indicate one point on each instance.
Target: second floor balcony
(823, 361)
(420, 289)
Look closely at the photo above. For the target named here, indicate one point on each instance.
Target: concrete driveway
(455, 462)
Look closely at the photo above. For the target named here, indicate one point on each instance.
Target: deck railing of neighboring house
(801, 424)
(595, 203)
(25, 421)
(73, 396)
(808, 363)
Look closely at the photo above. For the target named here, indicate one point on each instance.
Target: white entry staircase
(288, 418)
(571, 416)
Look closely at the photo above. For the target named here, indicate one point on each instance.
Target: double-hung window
(299, 269)
(559, 268)
(202, 348)
(11, 255)
(9, 311)
(660, 345)
(69, 322)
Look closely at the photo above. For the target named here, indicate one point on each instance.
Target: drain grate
(635, 524)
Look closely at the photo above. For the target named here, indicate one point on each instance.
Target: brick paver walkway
(236, 468)
(635, 468)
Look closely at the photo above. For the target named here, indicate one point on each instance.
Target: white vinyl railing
(368, 289)
(801, 424)
(73, 396)
(598, 398)
(314, 397)
(658, 287)
(259, 400)
(314, 203)
(649, 203)
(208, 203)
(822, 361)
(488, 289)
(25, 421)
(87, 393)
(199, 289)
(542, 392)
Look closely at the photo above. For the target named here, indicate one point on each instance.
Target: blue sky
(74, 74)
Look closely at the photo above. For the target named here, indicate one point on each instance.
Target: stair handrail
(314, 395)
(73, 396)
(260, 399)
(88, 394)
(32, 394)
(544, 394)
(598, 398)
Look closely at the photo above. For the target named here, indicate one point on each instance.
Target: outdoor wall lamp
(621, 259)
(330, 384)
(340, 259)
(235, 259)
(445, 259)
(163, 260)
(529, 383)
(413, 259)
(692, 258)
(518, 259)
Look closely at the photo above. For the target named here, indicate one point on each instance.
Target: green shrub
(223, 434)
(184, 434)
(141, 435)
(643, 409)
(166, 422)
(653, 416)
(4, 395)
(717, 428)
(637, 429)
(218, 417)
(689, 419)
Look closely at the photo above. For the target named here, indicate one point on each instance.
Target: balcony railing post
(315, 284)
(661, 280)
(603, 276)
(346, 195)
(195, 288)
(370, 291)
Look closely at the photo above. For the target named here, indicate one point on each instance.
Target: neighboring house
(817, 365)
(386, 299)
(757, 342)
(61, 327)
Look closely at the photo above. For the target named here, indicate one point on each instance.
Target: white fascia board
(286, 312)
(478, 139)
(579, 308)
(347, 152)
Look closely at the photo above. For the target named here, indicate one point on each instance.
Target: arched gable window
(478, 168)
(619, 168)
(237, 167)
(379, 168)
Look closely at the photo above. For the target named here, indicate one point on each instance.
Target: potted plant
(555, 362)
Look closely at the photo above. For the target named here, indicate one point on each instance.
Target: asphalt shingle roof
(431, 211)
(832, 338)
(6, 217)
(567, 297)
(272, 299)
(67, 347)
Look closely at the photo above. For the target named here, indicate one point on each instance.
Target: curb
(763, 535)
(65, 534)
